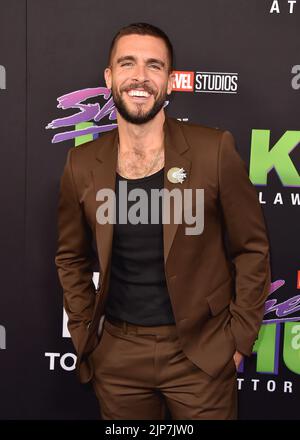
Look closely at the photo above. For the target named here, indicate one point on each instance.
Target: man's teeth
(138, 93)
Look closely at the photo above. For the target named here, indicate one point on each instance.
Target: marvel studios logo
(205, 82)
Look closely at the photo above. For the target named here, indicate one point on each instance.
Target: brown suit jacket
(218, 281)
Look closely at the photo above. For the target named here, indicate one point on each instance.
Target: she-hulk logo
(284, 326)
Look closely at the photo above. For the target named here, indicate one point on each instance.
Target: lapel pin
(176, 175)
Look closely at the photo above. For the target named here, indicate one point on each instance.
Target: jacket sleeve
(74, 257)
(247, 242)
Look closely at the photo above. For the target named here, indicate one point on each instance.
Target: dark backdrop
(52, 48)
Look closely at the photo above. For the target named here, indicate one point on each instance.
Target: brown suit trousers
(141, 371)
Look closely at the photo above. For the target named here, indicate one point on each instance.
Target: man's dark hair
(143, 29)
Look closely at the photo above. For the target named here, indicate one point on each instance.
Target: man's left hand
(238, 357)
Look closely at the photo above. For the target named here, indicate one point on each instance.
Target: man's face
(139, 66)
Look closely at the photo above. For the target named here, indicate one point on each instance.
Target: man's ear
(170, 83)
(107, 77)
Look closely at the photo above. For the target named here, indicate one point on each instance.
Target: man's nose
(140, 72)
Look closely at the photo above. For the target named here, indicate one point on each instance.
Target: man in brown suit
(173, 314)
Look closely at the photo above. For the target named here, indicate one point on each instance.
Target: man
(174, 313)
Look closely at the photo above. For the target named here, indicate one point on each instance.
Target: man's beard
(139, 116)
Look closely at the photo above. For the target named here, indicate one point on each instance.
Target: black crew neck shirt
(138, 292)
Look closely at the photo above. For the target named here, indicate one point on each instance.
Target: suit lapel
(104, 176)
(176, 155)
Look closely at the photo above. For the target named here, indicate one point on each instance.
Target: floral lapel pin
(176, 175)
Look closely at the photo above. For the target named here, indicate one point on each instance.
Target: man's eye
(155, 66)
(125, 64)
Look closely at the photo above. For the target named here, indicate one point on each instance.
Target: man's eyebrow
(132, 58)
(155, 60)
(125, 58)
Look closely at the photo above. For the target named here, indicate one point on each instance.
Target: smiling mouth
(138, 95)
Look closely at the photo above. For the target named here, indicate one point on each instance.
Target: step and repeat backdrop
(237, 68)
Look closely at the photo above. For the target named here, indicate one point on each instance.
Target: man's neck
(144, 137)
